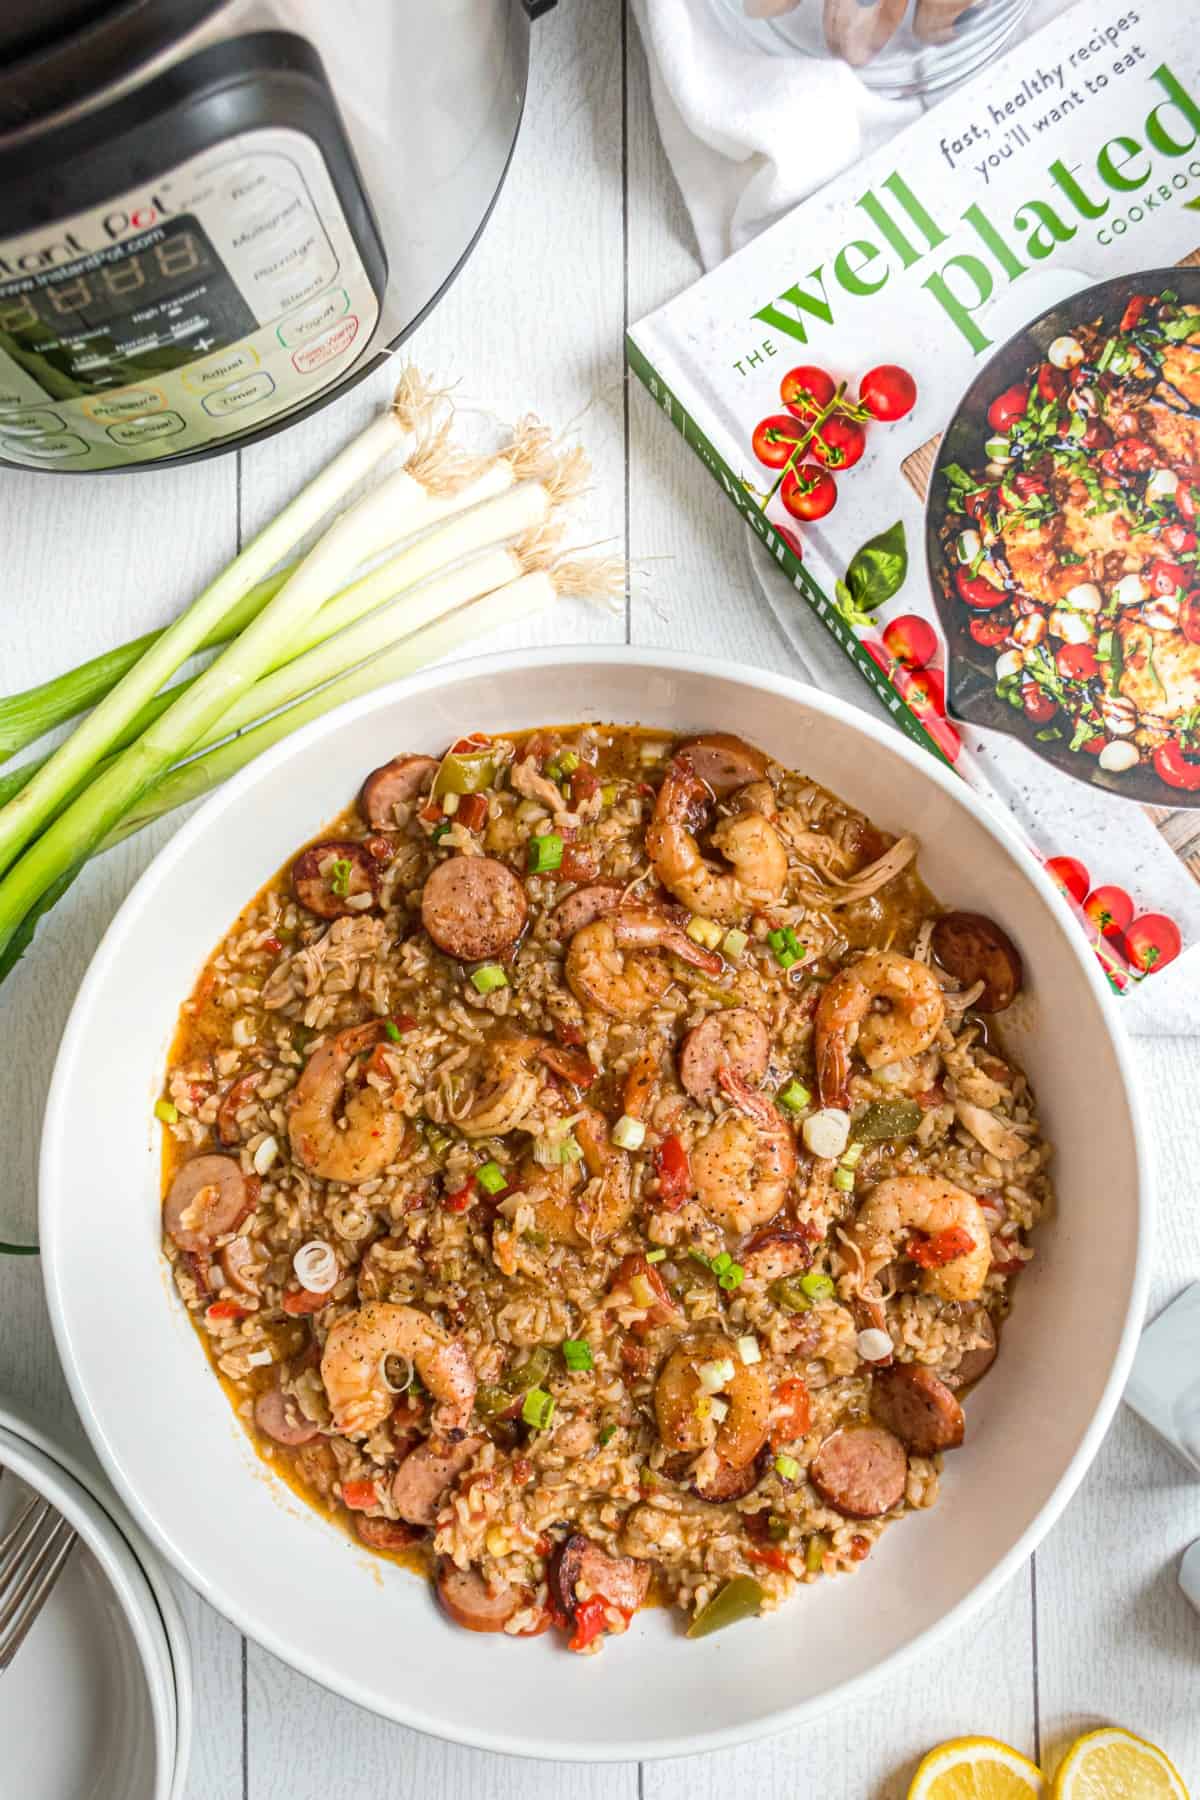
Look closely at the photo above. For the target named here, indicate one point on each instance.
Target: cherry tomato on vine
(1178, 767)
(839, 444)
(806, 391)
(924, 693)
(911, 640)
(775, 438)
(808, 492)
(1110, 909)
(1070, 876)
(1038, 705)
(1189, 617)
(1077, 662)
(977, 593)
(888, 392)
(1008, 407)
(1152, 942)
(791, 539)
(990, 631)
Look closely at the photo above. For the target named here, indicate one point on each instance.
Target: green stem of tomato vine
(802, 444)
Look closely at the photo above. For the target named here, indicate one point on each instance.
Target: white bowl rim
(55, 1125)
(126, 1580)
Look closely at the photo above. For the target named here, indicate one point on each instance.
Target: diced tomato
(636, 1358)
(942, 1248)
(634, 1267)
(1135, 307)
(431, 813)
(301, 1300)
(860, 1547)
(568, 1033)
(770, 1557)
(461, 1198)
(794, 1408)
(976, 502)
(584, 784)
(1051, 382)
(472, 812)
(1166, 578)
(1027, 485)
(359, 1495)
(272, 944)
(573, 1065)
(225, 1310)
(579, 863)
(403, 1022)
(379, 846)
(591, 1621)
(377, 1062)
(471, 745)
(674, 1173)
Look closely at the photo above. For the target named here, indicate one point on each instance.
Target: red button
(331, 343)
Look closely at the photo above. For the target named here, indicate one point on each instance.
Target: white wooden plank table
(588, 234)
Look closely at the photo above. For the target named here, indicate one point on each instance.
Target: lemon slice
(978, 1768)
(1112, 1761)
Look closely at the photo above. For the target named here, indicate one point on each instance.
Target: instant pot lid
(53, 52)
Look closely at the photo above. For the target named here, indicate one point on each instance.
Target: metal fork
(33, 1554)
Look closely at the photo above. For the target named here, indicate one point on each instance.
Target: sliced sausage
(579, 1564)
(583, 906)
(860, 1471)
(279, 1416)
(473, 907)
(385, 1534)
(735, 1039)
(208, 1197)
(232, 1102)
(973, 948)
(239, 1265)
(724, 762)
(773, 1253)
(471, 1603)
(729, 1483)
(424, 1476)
(396, 783)
(918, 1406)
(974, 1363)
(336, 879)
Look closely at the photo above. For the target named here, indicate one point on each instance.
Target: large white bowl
(167, 1436)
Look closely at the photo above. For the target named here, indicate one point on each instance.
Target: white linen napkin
(748, 136)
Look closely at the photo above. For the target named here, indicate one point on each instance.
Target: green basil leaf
(879, 569)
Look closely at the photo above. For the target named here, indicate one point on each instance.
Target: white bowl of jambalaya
(610, 1180)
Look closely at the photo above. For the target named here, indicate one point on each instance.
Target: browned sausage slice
(240, 1266)
(208, 1197)
(424, 1476)
(860, 1471)
(773, 1253)
(973, 948)
(736, 1039)
(580, 1570)
(385, 1534)
(918, 1406)
(281, 1419)
(336, 878)
(724, 762)
(728, 1482)
(974, 1363)
(471, 1603)
(396, 783)
(473, 907)
(584, 905)
(232, 1101)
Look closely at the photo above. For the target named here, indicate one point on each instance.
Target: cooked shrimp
(352, 1367)
(747, 840)
(743, 1167)
(582, 1203)
(929, 1206)
(742, 1432)
(602, 972)
(846, 1020)
(370, 1133)
(510, 1087)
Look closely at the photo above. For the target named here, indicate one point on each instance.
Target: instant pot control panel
(173, 314)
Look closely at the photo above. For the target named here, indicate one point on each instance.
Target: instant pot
(217, 214)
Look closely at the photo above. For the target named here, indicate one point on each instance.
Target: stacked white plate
(97, 1702)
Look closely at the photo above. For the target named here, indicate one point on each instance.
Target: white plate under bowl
(166, 1433)
(87, 1707)
(173, 1646)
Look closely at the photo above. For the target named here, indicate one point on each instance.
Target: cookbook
(956, 395)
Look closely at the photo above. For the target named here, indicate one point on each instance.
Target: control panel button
(323, 349)
(125, 403)
(219, 371)
(50, 449)
(239, 394)
(314, 318)
(31, 423)
(132, 432)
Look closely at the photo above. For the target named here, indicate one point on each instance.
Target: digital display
(123, 314)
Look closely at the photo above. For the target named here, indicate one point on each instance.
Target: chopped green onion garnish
(545, 853)
(699, 1256)
(704, 931)
(491, 1178)
(166, 1112)
(554, 1152)
(733, 944)
(787, 1467)
(339, 877)
(568, 761)
(732, 1277)
(607, 1433)
(843, 1180)
(577, 1354)
(608, 796)
(439, 831)
(655, 1256)
(721, 1263)
(793, 1096)
(392, 1030)
(777, 1528)
(817, 1287)
(488, 978)
(628, 1133)
(852, 1155)
(537, 1409)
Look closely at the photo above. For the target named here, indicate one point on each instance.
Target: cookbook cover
(957, 396)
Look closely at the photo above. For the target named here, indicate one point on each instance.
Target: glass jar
(897, 47)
